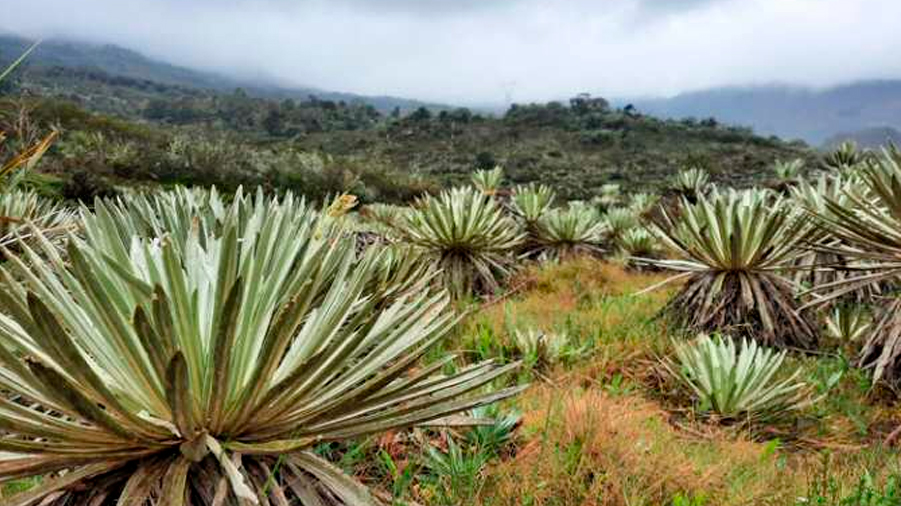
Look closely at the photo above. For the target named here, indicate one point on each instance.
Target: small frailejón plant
(531, 202)
(468, 236)
(488, 181)
(610, 195)
(738, 383)
(385, 216)
(788, 172)
(731, 249)
(691, 183)
(540, 349)
(845, 156)
(643, 203)
(617, 221)
(817, 266)
(565, 233)
(637, 245)
(848, 323)
(201, 368)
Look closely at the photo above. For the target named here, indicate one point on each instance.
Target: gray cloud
(477, 51)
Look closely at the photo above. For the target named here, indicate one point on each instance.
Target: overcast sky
(479, 51)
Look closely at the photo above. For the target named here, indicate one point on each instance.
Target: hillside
(105, 75)
(127, 119)
(321, 147)
(791, 112)
(870, 138)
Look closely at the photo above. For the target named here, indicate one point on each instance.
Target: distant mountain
(866, 138)
(791, 112)
(56, 64)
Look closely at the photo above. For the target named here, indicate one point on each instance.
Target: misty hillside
(792, 112)
(100, 73)
(870, 138)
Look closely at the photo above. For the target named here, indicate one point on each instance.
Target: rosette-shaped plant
(201, 366)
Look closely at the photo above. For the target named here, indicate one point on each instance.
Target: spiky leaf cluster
(788, 171)
(691, 182)
(488, 181)
(866, 222)
(185, 366)
(617, 221)
(468, 236)
(24, 215)
(564, 233)
(739, 383)
(531, 202)
(732, 249)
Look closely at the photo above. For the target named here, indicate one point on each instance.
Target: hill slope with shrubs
(321, 147)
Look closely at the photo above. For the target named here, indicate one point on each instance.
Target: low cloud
(480, 51)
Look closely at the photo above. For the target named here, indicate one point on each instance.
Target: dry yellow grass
(590, 448)
(595, 432)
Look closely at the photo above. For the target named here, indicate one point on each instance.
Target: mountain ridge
(791, 111)
(117, 61)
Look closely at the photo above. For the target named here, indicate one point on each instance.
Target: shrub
(85, 185)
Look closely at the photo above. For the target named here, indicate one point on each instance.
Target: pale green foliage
(488, 181)
(208, 330)
(23, 214)
(467, 235)
(540, 348)
(826, 187)
(845, 156)
(739, 383)
(810, 269)
(387, 214)
(610, 195)
(867, 227)
(563, 233)
(691, 182)
(384, 219)
(639, 242)
(531, 202)
(733, 248)
(643, 203)
(617, 221)
(789, 171)
(848, 323)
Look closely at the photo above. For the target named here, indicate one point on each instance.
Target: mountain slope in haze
(870, 138)
(58, 67)
(791, 112)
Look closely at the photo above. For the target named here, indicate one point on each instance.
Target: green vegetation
(207, 367)
(739, 383)
(126, 130)
(378, 337)
(564, 233)
(466, 234)
(730, 248)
